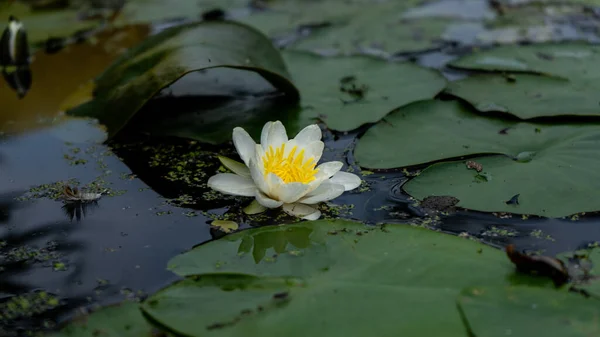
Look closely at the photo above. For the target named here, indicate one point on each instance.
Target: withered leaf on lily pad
(539, 264)
(164, 58)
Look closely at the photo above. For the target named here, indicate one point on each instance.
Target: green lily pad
(562, 81)
(551, 167)
(123, 320)
(377, 28)
(348, 92)
(164, 58)
(344, 275)
(378, 32)
(526, 311)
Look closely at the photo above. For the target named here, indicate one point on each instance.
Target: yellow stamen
(291, 168)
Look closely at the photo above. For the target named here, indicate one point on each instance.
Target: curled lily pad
(164, 58)
(550, 166)
(547, 80)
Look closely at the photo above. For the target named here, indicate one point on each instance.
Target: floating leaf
(349, 92)
(567, 87)
(225, 226)
(164, 58)
(556, 182)
(347, 270)
(526, 311)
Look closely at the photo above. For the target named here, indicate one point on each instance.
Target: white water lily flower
(282, 172)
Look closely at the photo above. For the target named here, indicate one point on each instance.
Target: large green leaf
(123, 320)
(357, 280)
(161, 60)
(551, 167)
(387, 86)
(565, 85)
(526, 311)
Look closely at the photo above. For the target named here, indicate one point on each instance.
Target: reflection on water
(78, 210)
(51, 79)
(18, 79)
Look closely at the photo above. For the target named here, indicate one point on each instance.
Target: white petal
(233, 184)
(348, 180)
(291, 192)
(266, 201)
(289, 146)
(258, 177)
(276, 136)
(264, 135)
(235, 166)
(328, 169)
(309, 134)
(254, 208)
(313, 216)
(325, 192)
(274, 182)
(315, 150)
(244, 144)
(302, 211)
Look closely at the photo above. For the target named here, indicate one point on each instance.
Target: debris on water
(499, 232)
(439, 203)
(225, 226)
(514, 200)
(473, 165)
(502, 215)
(539, 265)
(73, 194)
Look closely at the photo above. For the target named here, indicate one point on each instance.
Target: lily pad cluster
(342, 278)
(515, 142)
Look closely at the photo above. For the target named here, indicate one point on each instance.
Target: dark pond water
(119, 247)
